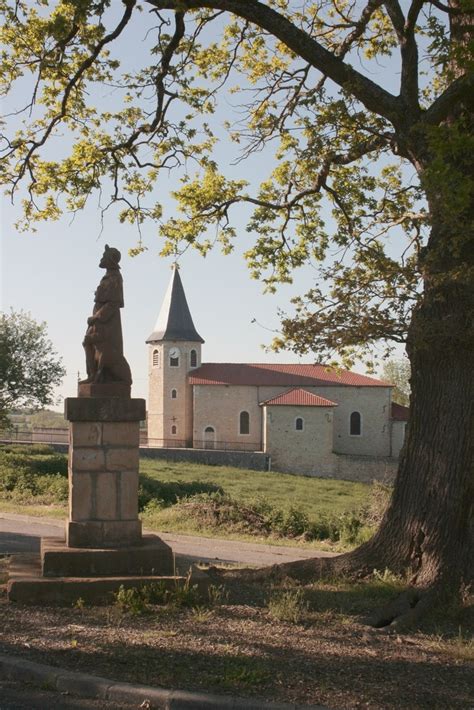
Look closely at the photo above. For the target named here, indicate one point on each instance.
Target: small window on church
(355, 427)
(244, 427)
(193, 358)
(173, 429)
(156, 358)
(299, 424)
(174, 394)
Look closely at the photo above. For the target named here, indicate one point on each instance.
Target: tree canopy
(349, 160)
(29, 366)
(397, 372)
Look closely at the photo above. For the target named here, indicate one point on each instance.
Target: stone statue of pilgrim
(103, 343)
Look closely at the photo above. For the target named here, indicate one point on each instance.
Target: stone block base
(151, 557)
(104, 409)
(27, 586)
(103, 533)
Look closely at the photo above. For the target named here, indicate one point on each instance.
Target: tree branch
(440, 109)
(359, 28)
(451, 10)
(357, 152)
(85, 65)
(160, 110)
(373, 97)
(408, 49)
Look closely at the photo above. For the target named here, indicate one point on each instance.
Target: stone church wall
(366, 468)
(219, 406)
(373, 403)
(307, 451)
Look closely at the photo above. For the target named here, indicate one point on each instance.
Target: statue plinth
(103, 471)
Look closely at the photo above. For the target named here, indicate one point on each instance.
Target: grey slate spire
(174, 321)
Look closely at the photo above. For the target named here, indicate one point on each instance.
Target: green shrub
(33, 474)
(164, 494)
(220, 511)
(49, 463)
(322, 528)
(295, 523)
(350, 525)
(27, 449)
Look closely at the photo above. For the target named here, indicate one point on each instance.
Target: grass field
(314, 496)
(238, 503)
(191, 498)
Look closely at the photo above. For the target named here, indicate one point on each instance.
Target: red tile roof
(262, 375)
(399, 412)
(300, 398)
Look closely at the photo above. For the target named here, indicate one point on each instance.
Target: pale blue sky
(53, 274)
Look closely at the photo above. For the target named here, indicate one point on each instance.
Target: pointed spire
(174, 321)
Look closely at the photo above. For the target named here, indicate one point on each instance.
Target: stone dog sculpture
(103, 343)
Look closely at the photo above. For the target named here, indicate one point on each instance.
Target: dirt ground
(238, 646)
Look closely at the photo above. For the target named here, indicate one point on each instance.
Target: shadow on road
(15, 542)
(18, 542)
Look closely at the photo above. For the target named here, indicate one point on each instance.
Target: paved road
(21, 533)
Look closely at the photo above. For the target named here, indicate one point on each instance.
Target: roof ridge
(281, 374)
(298, 396)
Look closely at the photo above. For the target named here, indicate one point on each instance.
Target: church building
(309, 419)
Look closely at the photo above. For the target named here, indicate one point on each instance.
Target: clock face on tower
(174, 353)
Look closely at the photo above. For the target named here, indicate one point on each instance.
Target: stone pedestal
(151, 557)
(103, 471)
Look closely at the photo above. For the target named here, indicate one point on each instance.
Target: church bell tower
(174, 350)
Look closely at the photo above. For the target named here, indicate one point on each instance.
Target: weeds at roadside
(217, 595)
(218, 513)
(460, 647)
(80, 606)
(288, 605)
(184, 594)
(201, 613)
(131, 601)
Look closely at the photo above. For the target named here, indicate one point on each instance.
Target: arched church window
(156, 358)
(244, 424)
(173, 429)
(193, 358)
(299, 424)
(355, 426)
(174, 394)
